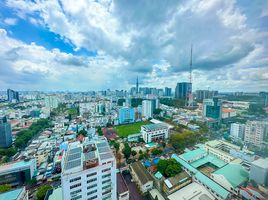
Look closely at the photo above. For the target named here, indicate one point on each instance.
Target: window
(106, 170)
(76, 191)
(78, 197)
(74, 186)
(91, 192)
(107, 181)
(106, 192)
(91, 198)
(91, 180)
(106, 175)
(75, 179)
(92, 186)
(92, 174)
(105, 187)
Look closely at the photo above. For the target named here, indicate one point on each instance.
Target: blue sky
(95, 45)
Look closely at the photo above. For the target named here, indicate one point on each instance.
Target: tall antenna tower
(190, 94)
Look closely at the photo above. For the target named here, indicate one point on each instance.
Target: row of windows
(75, 179)
(107, 181)
(91, 180)
(76, 191)
(76, 198)
(106, 170)
(92, 174)
(106, 175)
(105, 187)
(92, 198)
(91, 186)
(92, 192)
(74, 186)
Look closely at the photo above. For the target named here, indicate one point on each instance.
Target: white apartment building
(237, 131)
(152, 132)
(51, 101)
(89, 171)
(255, 132)
(147, 109)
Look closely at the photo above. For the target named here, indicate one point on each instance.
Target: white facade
(152, 132)
(255, 131)
(90, 173)
(147, 109)
(237, 131)
(51, 101)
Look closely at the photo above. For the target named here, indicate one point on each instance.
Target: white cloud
(10, 21)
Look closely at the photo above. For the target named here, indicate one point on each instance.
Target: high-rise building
(51, 101)
(212, 108)
(5, 133)
(89, 171)
(126, 115)
(182, 90)
(147, 109)
(12, 96)
(167, 92)
(237, 131)
(205, 94)
(255, 132)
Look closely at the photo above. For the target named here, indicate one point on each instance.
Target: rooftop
(209, 159)
(193, 155)
(81, 156)
(153, 127)
(193, 191)
(141, 172)
(12, 195)
(263, 163)
(17, 165)
(234, 173)
(121, 184)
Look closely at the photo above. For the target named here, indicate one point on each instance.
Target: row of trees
(24, 136)
(184, 139)
(178, 103)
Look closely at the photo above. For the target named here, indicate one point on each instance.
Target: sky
(85, 45)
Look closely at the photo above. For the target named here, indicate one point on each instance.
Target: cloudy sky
(86, 45)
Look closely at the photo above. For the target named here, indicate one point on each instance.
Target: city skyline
(54, 46)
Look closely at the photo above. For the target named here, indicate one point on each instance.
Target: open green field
(128, 129)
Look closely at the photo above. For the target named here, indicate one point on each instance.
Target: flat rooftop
(193, 191)
(12, 195)
(17, 165)
(86, 155)
(153, 127)
(262, 163)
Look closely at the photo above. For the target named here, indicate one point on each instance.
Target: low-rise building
(141, 176)
(18, 172)
(154, 132)
(17, 194)
(122, 189)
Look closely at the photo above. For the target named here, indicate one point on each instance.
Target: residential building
(255, 132)
(167, 92)
(12, 96)
(147, 109)
(122, 189)
(141, 176)
(237, 131)
(154, 132)
(259, 171)
(89, 171)
(182, 90)
(18, 172)
(17, 194)
(51, 101)
(228, 113)
(205, 94)
(126, 115)
(5, 133)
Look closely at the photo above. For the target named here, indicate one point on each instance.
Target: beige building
(141, 176)
(255, 132)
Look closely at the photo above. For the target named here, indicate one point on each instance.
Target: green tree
(83, 132)
(156, 151)
(41, 192)
(116, 146)
(172, 170)
(127, 151)
(5, 188)
(157, 111)
(133, 153)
